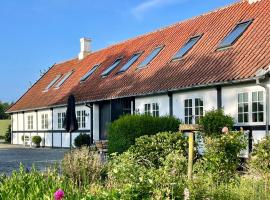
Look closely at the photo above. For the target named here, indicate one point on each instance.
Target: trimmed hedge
(123, 132)
(82, 140)
(36, 139)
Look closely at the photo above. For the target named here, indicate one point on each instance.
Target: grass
(4, 126)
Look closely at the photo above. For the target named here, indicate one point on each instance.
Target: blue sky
(35, 34)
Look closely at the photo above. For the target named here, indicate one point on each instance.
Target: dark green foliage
(260, 159)
(123, 132)
(220, 161)
(157, 171)
(36, 139)
(8, 135)
(156, 147)
(82, 140)
(3, 109)
(213, 122)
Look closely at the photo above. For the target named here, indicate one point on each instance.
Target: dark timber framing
(170, 103)
(52, 126)
(219, 97)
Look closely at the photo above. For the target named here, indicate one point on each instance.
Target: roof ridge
(169, 26)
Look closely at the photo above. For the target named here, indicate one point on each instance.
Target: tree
(3, 108)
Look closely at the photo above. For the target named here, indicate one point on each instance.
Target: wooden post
(190, 154)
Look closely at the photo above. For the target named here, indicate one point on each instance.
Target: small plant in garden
(220, 161)
(123, 132)
(82, 140)
(36, 140)
(83, 166)
(213, 122)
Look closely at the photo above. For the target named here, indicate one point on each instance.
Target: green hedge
(123, 132)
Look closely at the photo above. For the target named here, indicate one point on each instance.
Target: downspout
(264, 85)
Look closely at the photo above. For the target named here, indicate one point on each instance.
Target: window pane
(246, 107)
(201, 110)
(234, 34)
(201, 102)
(240, 108)
(245, 97)
(130, 62)
(260, 106)
(254, 117)
(240, 98)
(240, 118)
(246, 117)
(196, 102)
(190, 111)
(260, 117)
(260, 96)
(190, 102)
(197, 111)
(90, 72)
(61, 82)
(186, 120)
(53, 82)
(186, 111)
(110, 68)
(254, 107)
(189, 44)
(151, 56)
(186, 103)
(254, 96)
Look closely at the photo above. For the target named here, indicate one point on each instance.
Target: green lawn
(4, 126)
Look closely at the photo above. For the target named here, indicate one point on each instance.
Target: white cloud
(139, 10)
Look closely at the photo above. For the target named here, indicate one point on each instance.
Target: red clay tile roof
(202, 65)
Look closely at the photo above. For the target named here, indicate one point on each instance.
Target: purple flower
(59, 194)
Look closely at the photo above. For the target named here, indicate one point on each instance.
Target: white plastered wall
(162, 100)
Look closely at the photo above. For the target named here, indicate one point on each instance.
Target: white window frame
(257, 102)
(44, 121)
(243, 102)
(188, 116)
(81, 118)
(155, 110)
(60, 119)
(30, 122)
(152, 109)
(199, 108)
(147, 109)
(192, 118)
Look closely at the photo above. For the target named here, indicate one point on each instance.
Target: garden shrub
(82, 140)
(123, 132)
(154, 168)
(213, 122)
(220, 161)
(260, 157)
(83, 166)
(36, 139)
(8, 135)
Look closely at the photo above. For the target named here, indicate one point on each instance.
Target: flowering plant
(59, 194)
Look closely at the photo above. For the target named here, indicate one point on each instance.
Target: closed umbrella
(70, 121)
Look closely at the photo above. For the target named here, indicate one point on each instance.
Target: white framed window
(30, 123)
(198, 109)
(151, 109)
(155, 109)
(188, 111)
(44, 121)
(81, 114)
(243, 108)
(257, 106)
(147, 109)
(61, 117)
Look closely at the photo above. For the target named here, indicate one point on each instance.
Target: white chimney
(85, 48)
(253, 1)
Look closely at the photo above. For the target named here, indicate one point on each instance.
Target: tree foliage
(3, 109)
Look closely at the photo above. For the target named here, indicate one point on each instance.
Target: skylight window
(61, 82)
(130, 62)
(90, 72)
(235, 34)
(53, 82)
(109, 69)
(151, 56)
(187, 47)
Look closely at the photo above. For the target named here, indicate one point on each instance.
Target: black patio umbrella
(70, 122)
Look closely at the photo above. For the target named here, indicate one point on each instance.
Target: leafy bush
(36, 139)
(213, 122)
(83, 166)
(82, 140)
(8, 135)
(220, 161)
(154, 168)
(123, 132)
(260, 158)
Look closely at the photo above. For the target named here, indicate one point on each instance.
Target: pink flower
(225, 130)
(59, 194)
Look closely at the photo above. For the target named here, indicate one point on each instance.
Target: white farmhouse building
(217, 60)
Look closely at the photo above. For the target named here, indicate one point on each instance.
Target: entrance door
(104, 119)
